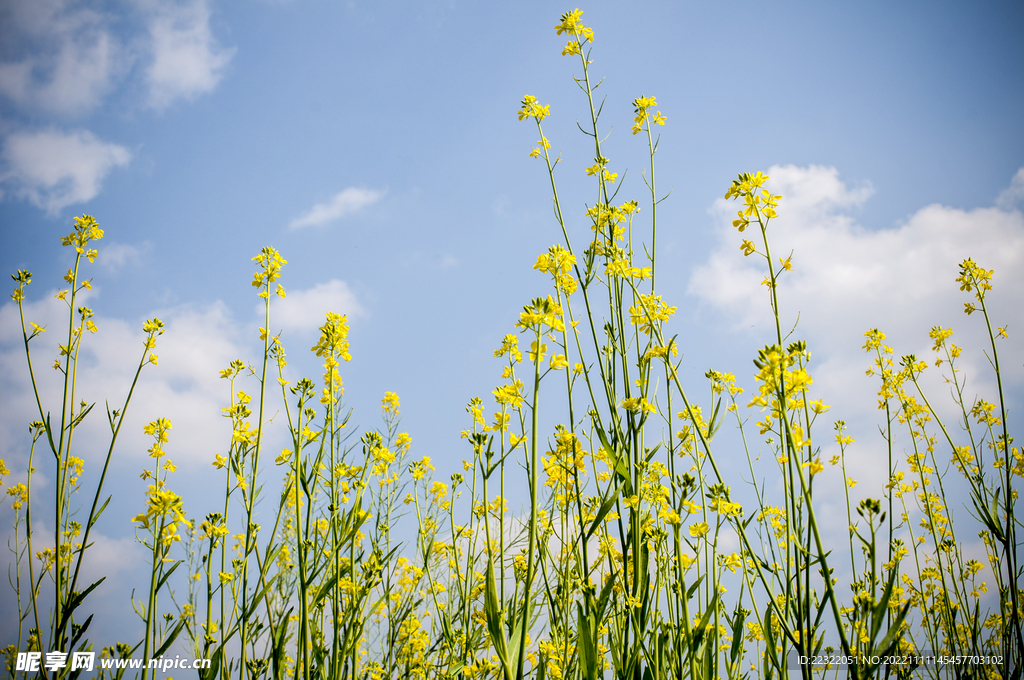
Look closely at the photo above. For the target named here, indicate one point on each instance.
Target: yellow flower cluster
(542, 312)
(757, 205)
(579, 34)
(390, 403)
(532, 109)
(558, 262)
(625, 269)
(86, 230)
(565, 463)
(598, 170)
(509, 346)
(643, 106)
(976, 279)
(649, 311)
(270, 262)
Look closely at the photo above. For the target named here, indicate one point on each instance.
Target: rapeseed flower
(531, 109)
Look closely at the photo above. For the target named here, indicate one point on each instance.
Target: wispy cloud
(303, 310)
(55, 169)
(117, 255)
(63, 58)
(344, 203)
(1012, 195)
(69, 56)
(187, 60)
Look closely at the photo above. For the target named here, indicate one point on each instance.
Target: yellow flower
(510, 346)
(537, 353)
(725, 507)
(698, 530)
(219, 461)
(531, 109)
(642, 106)
(815, 466)
(669, 516)
(420, 468)
(500, 421)
(637, 405)
(648, 311)
(158, 428)
(511, 394)
(20, 493)
(333, 338)
(570, 24)
(390, 403)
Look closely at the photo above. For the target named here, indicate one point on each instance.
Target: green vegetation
(618, 567)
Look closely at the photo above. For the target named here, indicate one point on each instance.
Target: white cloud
(1013, 194)
(304, 310)
(344, 203)
(67, 58)
(187, 61)
(185, 387)
(845, 275)
(117, 255)
(847, 279)
(55, 169)
(72, 56)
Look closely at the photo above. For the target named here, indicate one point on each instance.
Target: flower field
(638, 556)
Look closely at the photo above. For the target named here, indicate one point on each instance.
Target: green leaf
(169, 640)
(213, 671)
(737, 634)
(606, 507)
(80, 632)
(495, 627)
(324, 590)
(167, 575)
(73, 603)
(698, 635)
(770, 653)
(280, 649)
(99, 512)
(712, 425)
(692, 589)
(587, 647)
(878, 612)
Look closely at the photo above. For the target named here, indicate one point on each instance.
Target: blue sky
(376, 146)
